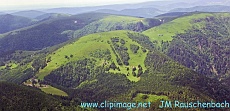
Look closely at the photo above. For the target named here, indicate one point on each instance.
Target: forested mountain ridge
(10, 22)
(198, 43)
(207, 47)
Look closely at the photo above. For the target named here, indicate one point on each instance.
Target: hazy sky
(26, 4)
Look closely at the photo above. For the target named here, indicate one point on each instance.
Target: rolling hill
(29, 13)
(10, 22)
(98, 46)
(116, 7)
(51, 16)
(138, 12)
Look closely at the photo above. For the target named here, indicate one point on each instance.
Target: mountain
(28, 13)
(10, 22)
(149, 8)
(43, 35)
(181, 4)
(169, 6)
(163, 6)
(139, 12)
(70, 10)
(211, 2)
(54, 31)
(209, 47)
(51, 16)
(117, 65)
(163, 62)
(2, 13)
(198, 42)
(212, 8)
(119, 53)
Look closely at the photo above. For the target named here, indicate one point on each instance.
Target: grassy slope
(170, 29)
(88, 44)
(53, 90)
(125, 19)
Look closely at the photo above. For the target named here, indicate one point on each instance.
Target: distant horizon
(13, 5)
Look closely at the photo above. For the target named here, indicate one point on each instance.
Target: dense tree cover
(120, 48)
(18, 75)
(143, 40)
(73, 73)
(39, 63)
(22, 98)
(22, 65)
(15, 98)
(2, 63)
(101, 54)
(10, 22)
(91, 83)
(205, 50)
(163, 77)
(177, 74)
(134, 48)
(35, 38)
(106, 86)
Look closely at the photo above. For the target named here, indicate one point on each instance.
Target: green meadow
(83, 47)
(165, 32)
(52, 90)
